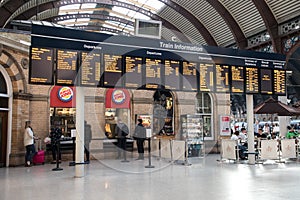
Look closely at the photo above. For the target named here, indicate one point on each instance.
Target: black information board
(237, 79)
(222, 78)
(265, 79)
(112, 70)
(134, 62)
(133, 71)
(153, 73)
(90, 68)
(252, 81)
(279, 81)
(189, 76)
(41, 62)
(66, 67)
(206, 77)
(172, 71)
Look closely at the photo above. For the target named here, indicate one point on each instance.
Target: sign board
(225, 125)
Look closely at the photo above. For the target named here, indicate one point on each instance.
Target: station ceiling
(227, 23)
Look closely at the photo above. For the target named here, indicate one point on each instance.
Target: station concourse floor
(111, 179)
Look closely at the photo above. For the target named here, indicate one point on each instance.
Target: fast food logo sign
(118, 96)
(65, 94)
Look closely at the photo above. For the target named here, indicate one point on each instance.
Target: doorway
(3, 137)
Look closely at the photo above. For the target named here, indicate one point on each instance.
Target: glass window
(3, 86)
(3, 102)
(204, 108)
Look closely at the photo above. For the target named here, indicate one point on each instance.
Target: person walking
(140, 135)
(55, 135)
(29, 144)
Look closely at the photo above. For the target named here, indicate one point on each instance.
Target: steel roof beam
(236, 30)
(194, 20)
(270, 23)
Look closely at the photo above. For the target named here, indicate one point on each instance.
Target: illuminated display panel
(237, 79)
(90, 68)
(222, 78)
(206, 77)
(189, 76)
(279, 82)
(172, 74)
(66, 68)
(252, 82)
(112, 70)
(41, 71)
(265, 79)
(153, 72)
(133, 71)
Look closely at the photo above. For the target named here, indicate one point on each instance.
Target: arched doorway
(4, 108)
(163, 113)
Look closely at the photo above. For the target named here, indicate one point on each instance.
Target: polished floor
(110, 179)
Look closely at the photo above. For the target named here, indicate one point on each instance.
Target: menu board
(189, 73)
(112, 70)
(237, 79)
(279, 81)
(41, 66)
(66, 71)
(222, 78)
(265, 79)
(252, 80)
(153, 72)
(206, 77)
(90, 68)
(133, 71)
(172, 74)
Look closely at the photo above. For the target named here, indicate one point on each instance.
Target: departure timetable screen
(112, 70)
(41, 66)
(66, 67)
(90, 68)
(172, 78)
(252, 81)
(189, 76)
(237, 79)
(222, 78)
(206, 77)
(153, 72)
(133, 71)
(266, 81)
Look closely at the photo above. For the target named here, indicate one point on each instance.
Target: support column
(250, 131)
(284, 121)
(79, 154)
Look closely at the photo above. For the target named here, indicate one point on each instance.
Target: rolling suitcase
(39, 157)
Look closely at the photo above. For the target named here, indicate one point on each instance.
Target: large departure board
(90, 68)
(252, 81)
(172, 78)
(189, 76)
(206, 77)
(112, 70)
(66, 69)
(265, 79)
(279, 81)
(237, 79)
(133, 71)
(41, 71)
(153, 72)
(222, 78)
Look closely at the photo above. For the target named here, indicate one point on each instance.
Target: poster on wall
(225, 125)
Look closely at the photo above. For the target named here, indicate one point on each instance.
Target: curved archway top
(243, 19)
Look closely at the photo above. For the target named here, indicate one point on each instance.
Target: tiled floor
(110, 179)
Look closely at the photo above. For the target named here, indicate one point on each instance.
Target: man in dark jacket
(87, 140)
(140, 135)
(121, 132)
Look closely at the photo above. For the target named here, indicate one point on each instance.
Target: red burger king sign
(65, 94)
(118, 96)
